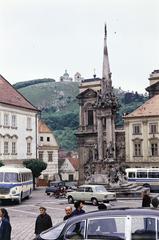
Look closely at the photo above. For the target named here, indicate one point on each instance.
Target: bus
(15, 183)
(147, 177)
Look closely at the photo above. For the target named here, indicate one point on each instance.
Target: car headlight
(13, 191)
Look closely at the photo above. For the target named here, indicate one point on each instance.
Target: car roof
(88, 185)
(116, 213)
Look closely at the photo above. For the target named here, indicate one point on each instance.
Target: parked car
(91, 193)
(121, 224)
(55, 186)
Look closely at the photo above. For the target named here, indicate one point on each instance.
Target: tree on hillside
(36, 167)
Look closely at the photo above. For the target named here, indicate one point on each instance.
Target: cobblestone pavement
(23, 216)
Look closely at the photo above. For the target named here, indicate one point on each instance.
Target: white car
(91, 193)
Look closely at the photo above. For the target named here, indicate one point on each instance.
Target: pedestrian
(5, 227)
(102, 206)
(146, 200)
(68, 211)
(78, 208)
(43, 221)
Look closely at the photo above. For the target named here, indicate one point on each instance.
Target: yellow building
(142, 130)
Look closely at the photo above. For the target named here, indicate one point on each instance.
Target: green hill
(60, 110)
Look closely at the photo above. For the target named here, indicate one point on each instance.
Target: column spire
(106, 84)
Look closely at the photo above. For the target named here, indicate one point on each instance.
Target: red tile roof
(149, 108)
(43, 128)
(9, 95)
(74, 162)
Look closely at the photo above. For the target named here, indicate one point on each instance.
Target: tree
(1, 164)
(36, 167)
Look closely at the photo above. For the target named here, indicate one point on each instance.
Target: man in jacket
(43, 221)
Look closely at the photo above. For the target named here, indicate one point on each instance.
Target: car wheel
(48, 193)
(70, 199)
(94, 201)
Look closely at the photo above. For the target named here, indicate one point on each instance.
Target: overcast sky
(42, 38)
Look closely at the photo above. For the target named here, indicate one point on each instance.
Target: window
(106, 228)
(141, 174)
(6, 120)
(28, 148)
(143, 227)
(80, 189)
(41, 139)
(90, 117)
(131, 175)
(48, 139)
(88, 189)
(136, 129)
(137, 149)
(14, 121)
(13, 147)
(50, 157)
(6, 146)
(41, 156)
(76, 231)
(153, 128)
(153, 174)
(28, 123)
(154, 149)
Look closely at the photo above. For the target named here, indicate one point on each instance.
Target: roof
(148, 109)
(116, 212)
(9, 95)
(43, 128)
(74, 162)
(91, 80)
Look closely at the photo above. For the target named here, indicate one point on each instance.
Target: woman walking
(5, 227)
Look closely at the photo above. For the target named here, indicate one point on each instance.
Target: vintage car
(116, 224)
(91, 193)
(57, 185)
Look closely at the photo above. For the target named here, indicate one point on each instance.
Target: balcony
(87, 129)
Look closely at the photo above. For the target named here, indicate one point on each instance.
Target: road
(23, 216)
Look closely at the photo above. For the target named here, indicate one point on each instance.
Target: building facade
(68, 169)
(142, 129)
(47, 151)
(18, 126)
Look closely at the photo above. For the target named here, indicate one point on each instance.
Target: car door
(88, 194)
(78, 194)
(76, 231)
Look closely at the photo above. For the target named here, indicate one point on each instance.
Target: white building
(18, 126)
(69, 169)
(47, 152)
(66, 77)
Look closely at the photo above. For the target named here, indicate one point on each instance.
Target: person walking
(68, 211)
(43, 221)
(78, 208)
(146, 200)
(5, 227)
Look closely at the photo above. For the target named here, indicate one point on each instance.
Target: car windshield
(10, 177)
(100, 189)
(53, 233)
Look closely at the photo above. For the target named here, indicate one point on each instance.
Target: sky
(42, 38)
